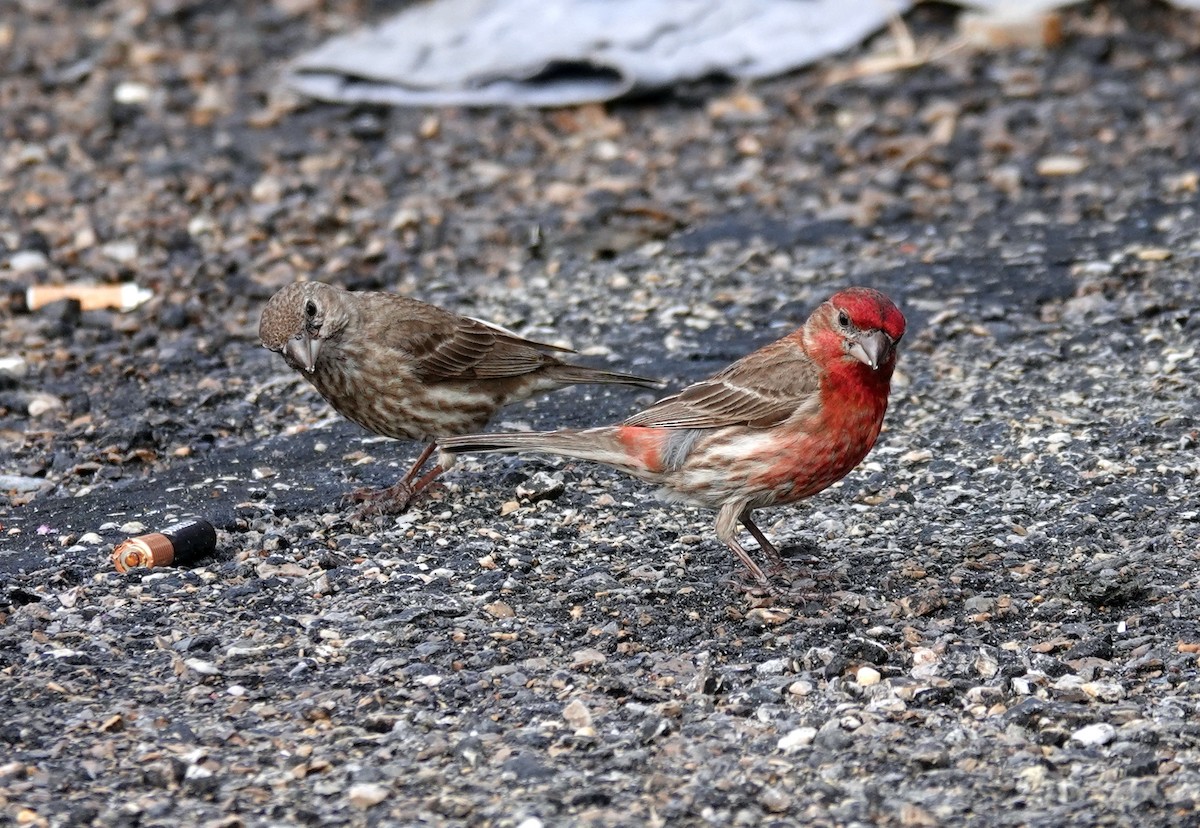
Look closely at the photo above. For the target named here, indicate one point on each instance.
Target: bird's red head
(857, 327)
(869, 309)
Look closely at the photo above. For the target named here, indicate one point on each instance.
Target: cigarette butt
(123, 297)
(176, 545)
(1006, 28)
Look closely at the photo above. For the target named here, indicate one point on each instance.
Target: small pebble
(577, 715)
(1094, 735)
(366, 795)
(27, 261)
(772, 667)
(1056, 165)
(42, 403)
(204, 668)
(587, 658)
(867, 676)
(774, 800)
(123, 252)
(797, 738)
(21, 484)
(131, 93)
(13, 367)
(541, 486)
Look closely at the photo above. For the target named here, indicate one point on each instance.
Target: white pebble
(1108, 691)
(123, 252)
(21, 483)
(32, 154)
(772, 667)
(577, 715)
(1095, 735)
(25, 261)
(867, 676)
(131, 93)
(41, 403)
(367, 794)
(795, 739)
(200, 225)
(204, 668)
(14, 367)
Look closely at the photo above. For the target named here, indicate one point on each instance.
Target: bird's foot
(757, 587)
(785, 585)
(792, 570)
(796, 561)
(393, 500)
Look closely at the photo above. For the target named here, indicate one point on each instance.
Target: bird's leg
(768, 548)
(755, 570)
(395, 498)
(727, 519)
(426, 453)
(428, 477)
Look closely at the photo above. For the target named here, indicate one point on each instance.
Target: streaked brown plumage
(777, 426)
(412, 371)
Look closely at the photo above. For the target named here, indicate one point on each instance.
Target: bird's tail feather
(595, 444)
(571, 374)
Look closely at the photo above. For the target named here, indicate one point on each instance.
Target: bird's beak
(303, 350)
(871, 348)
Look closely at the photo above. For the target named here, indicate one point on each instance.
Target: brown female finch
(412, 371)
(777, 426)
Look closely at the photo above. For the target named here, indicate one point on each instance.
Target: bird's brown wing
(760, 390)
(444, 345)
(513, 355)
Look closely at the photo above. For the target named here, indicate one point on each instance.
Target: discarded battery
(176, 545)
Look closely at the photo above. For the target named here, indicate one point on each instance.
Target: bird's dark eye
(844, 319)
(310, 309)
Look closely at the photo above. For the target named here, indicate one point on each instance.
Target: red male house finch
(408, 370)
(776, 426)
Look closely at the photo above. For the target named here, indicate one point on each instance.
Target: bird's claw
(754, 584)
(393, 500)
(785, 584)
(791, 570)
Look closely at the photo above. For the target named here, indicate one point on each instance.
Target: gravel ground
(993, 621)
